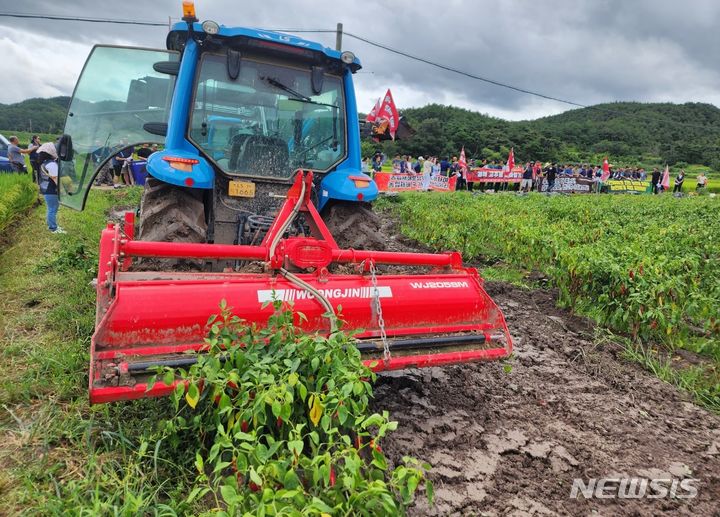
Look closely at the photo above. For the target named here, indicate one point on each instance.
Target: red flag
(462, 162)
(666, 178)
(389, 112)
(606, 170)
(511, 160)
(373, 112)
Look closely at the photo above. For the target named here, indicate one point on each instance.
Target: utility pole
(338, 37)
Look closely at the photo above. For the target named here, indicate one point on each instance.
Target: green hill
(35, 115)
(628, 132)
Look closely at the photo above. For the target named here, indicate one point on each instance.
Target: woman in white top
(427, 172)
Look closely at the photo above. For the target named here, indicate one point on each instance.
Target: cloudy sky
(587, 51)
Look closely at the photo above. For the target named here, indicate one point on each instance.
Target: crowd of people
(117, 173)
(43, 158)
(535, 176)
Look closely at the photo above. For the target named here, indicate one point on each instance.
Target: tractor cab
(238, 111)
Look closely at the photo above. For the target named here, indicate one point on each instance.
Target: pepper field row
(645, 265)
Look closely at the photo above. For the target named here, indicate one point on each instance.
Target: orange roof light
(188, 7)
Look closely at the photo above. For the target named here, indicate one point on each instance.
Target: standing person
(426, 172)
(679, 181)
(396, 163)
(33, 147)
(526, 183)
(118, 162)
(538, 177)
(144, 152)
(701, 183)
(48, 181)
(436, 167)
(655, 180)
(15, 155)
(98, 156)
(365, 165)
(377, 162)
(445, 166)
(550, 176)
(459, 173)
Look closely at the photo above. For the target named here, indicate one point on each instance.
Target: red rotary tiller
(148, 319)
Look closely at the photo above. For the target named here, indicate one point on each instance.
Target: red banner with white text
(488, 175)
(392, 182)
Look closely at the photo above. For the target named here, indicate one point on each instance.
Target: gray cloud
(587, 51)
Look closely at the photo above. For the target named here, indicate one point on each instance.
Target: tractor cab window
(268, 122)
(118, 94)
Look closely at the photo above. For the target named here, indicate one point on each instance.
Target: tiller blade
(150, 319)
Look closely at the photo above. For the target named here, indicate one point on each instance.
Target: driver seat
(259, 155)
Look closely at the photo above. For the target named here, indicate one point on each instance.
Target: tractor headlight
(210, 27)
(347, 57)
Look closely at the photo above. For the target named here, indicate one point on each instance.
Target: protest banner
(392, 182)
(628, 186)
(570, 184)
(488, 175)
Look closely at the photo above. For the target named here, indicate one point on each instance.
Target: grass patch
(699, 380)
(58, 454)
(506, 273)
(17, 194)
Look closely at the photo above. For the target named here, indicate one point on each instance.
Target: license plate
(241, 189)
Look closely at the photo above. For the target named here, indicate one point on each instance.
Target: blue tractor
(237, 112)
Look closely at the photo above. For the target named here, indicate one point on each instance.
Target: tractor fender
(200, 175)
(341, 185)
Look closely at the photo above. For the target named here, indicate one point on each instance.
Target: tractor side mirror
(233, 63)
(65, 148)
(317, 77)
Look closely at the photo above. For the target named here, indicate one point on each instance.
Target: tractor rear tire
(169, 213)
(354, 225)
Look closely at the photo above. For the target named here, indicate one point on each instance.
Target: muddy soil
(511, 443)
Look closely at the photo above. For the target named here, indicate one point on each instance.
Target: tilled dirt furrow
(511, 443)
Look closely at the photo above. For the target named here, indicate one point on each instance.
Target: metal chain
(378, 309)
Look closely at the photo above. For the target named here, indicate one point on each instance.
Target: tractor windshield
(269, 121)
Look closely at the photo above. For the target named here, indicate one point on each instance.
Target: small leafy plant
(283, 425)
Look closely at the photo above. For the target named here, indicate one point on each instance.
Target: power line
(518, 89)
(378, 45)
(498, 83)
(462, 72)
(82, 19)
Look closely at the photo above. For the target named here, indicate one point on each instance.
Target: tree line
(35, 115)
(629, 133)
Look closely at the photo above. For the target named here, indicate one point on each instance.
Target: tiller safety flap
(149, 319)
